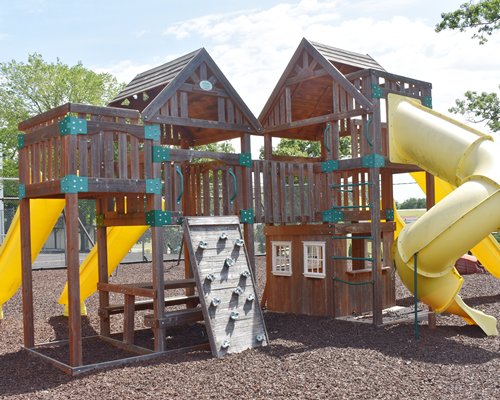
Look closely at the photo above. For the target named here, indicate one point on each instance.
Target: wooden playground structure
(329, 222)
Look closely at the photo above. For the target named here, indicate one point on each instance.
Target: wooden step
(174, 318)
(147, 304)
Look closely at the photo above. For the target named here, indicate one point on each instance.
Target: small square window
(314, 259)
(282, 258)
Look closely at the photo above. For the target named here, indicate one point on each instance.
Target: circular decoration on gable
(206, 85)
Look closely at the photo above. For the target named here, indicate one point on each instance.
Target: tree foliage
(480, 108)
(483, 18)
(305, 148)
(411, 203)
(30, 88)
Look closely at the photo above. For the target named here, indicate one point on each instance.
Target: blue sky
(251, 41)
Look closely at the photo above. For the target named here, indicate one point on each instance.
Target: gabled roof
(340, 57)
(157, 76)
(314, 89)
(190, 93)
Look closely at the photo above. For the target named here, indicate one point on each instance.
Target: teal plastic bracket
(161, 154)
(247, 216)
(245, 159)
(389, 214)
(427, 101)
(158, 218)
(376, 91)
(329, 165)
(21, 192)
(373, 161)
(74, 184)
(152, 132)
(99, 220)
(333, 215)
(153, 186)
(20, 141)
(70, 125)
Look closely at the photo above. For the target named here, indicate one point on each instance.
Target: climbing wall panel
(225, 283)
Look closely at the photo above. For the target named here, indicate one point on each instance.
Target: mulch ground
(308, 358)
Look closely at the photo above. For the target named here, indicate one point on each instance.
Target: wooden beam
(27, 277)
(73, 273)
(202, 123)
(315, 120)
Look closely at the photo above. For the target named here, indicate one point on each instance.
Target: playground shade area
(308, 357)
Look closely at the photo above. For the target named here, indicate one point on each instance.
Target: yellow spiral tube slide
(468, 160)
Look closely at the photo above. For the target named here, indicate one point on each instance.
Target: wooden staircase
(226, 286)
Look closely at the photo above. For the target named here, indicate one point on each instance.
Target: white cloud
(252, 47)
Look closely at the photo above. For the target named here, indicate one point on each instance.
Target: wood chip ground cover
(309, 357)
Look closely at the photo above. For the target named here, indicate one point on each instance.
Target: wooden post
(188, 204)
(268, 147)
(27, 277)
(102, 262)
(430, 200)
(73, 272)
(374, 195)
(248, 231)
(154, 203)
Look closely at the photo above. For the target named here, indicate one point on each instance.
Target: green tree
(305, 148)
(30, 88)
(480, 108)
(411, 203)
(483, 18)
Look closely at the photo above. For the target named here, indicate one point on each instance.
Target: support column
(102, 262)
(248, 229)
(430, 200)
(27, 276)
(73, 272)
(154, 203)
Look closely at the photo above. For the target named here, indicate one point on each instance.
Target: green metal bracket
(20, 141)
(21, 191)
(247, 216)
(161, 154)
(427, 101)
(329, 165)
(245, 159)
(333, 215)
(373, 161)
(74, 184)
(99, 220)
(152, 132)
(158, 218)
(389, 214)
(376, 91)
(153, 186)
(72, 126)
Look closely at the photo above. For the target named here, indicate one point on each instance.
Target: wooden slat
(310, 191)
(216, 191)
(128, 289)
(206, 193)
(274, 193)
(291, 192)
(184, 104)
(283, 192)
(257, 191)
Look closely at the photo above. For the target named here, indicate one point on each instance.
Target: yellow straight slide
(120, 241)
(43, 216)
(487, 250)
(466, 159)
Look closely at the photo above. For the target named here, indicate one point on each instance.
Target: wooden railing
(111, 147)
